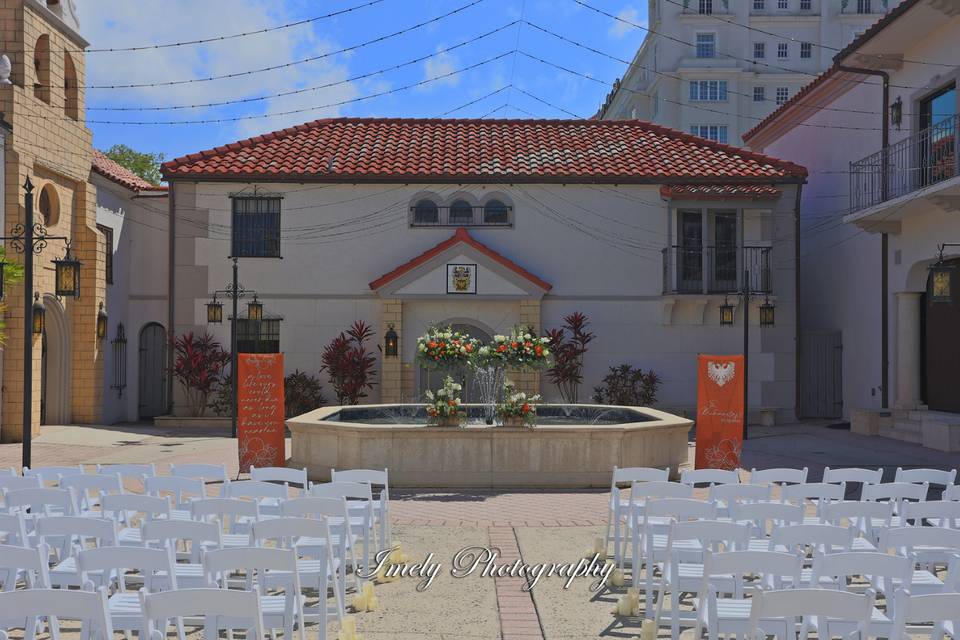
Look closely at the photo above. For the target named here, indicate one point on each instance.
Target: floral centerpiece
(520, 350)
(445, 349)
(517, 409)
(444, 405)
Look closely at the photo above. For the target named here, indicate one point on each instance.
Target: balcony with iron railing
(462, 216)
(716, 270)
(914, 163)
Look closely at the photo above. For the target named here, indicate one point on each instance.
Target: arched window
(461, 212)
(71, 88)
(41, 67)
(49, 204)
(495, 212)
(426, 212)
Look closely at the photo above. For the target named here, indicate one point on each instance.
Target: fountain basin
(571, 446)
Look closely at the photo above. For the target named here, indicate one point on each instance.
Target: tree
(146, 165)
(199, 363)
(568, 345)
(12, 274)
(349, 364)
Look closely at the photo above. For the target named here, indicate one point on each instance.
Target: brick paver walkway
(517, 611)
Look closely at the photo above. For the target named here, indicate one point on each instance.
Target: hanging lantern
(391, 342)
(726, 312)
(940, 275)
(38, 312)
(101, 323)
(67, 276)
(255, 310)
(214, 311)
(767, 313)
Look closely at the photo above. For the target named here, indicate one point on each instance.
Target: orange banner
(719, 411)
(260, 426)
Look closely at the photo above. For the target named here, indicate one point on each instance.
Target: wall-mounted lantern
(726, 312)
(38, 312)
(214, 311)
(101, 323)
(941, 274)
(767, 311)
(255, 310)
(67, 272)
(391, 343)
(896, 113)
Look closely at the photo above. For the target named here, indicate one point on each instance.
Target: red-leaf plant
(349, 364)
(199, 363)
(568, 345)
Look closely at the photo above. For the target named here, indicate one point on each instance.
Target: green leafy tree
(12, 275)
(145, 165)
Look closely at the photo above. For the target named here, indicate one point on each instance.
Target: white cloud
(440, 65)
(121, 23)
(628, 14)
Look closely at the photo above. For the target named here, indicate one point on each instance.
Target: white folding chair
(342, 536)
(747, 570)
(13, 530)
(942, 609)
(87, 489)
(936, 513)
(67, 536)
(813, 495)
(129, 472)
(219, 609)
(40, 502)
(949, 493)
(694, 477)
(807, 539)
(193, 537)
(765, 517)
(15, 482)
(7, 471)
(682, 569)
(180, 490)
(129, 509)
(779, 476)
(869, 519)
(233, 514)
(51, 475)
(882, 571)
(833, 613)
(853, 475)
(930, 476)
(930, 546)
(640, 492)
(617, 510)
(726, 494)
(361, 516)
(109, 567)
(266, 495)
(204, 472)
(26, 563)
(297, 478)
(318, 570)
(278, 611)
(55, 605)
(378, 480)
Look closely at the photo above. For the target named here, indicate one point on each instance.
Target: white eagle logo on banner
(721, 372)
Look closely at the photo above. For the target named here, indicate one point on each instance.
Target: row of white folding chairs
(320, 569)
(678, 564)
(267, 485)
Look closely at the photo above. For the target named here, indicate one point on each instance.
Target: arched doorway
(55, 364)
(152, 371)
(434, 379)
(941, 345)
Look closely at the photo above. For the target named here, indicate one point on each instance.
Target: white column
(908, 350)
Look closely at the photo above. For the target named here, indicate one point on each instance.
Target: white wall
(139, 290)
(599, 246)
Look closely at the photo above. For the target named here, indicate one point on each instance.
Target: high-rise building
(715, 68)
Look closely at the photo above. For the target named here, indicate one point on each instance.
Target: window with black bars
(256, 227)
(258, 336)
(107, 251)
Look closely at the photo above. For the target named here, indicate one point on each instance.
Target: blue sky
(122, 23)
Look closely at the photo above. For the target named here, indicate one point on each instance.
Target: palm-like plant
(198, 365)
(568, 345)
(349, 365)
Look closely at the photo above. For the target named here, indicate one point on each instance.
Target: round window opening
(49, 205)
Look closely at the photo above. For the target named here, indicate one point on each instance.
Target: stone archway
(55, 368)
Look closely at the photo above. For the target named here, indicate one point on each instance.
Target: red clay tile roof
(421, 150)
(857, 42)
(461, 235)
(121, 175)
(720, 191)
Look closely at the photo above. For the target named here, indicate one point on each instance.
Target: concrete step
(906, 431)
(935, 416)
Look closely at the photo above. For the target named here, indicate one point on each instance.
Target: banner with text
(260, 420)
(719, 411)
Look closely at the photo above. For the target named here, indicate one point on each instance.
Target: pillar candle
(648, 631)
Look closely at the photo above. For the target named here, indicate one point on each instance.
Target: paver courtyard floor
(535, 526)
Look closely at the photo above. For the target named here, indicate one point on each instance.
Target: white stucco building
(714, 68)
(884, 193)
(132, 215)
(644, 229)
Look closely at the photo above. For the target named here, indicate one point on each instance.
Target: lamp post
(234, 292)
(767, 317)
(31, 238)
